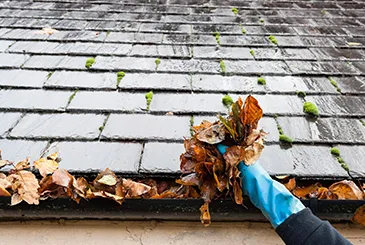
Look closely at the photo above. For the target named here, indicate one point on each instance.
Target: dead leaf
(359, 216)
(233, 155)
(16, 199)
(134, 189)
(47, 30)
(190, 180)
(205, 215)
(46, 166)
(303, 192)
(170, 113)
(25, 164)
(4, 192)
(26, 185)
(208, 189)
(250, 115)
(104, 187)
(212, 135)
(237, 191)
(323, 193)
(62, 178)
(253, 152)
(109, 180)
(4, 163)
(291, 184)
(346, 190)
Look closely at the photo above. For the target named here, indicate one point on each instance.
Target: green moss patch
(262, 20)
(120, 76)
(227, 101)
(148, 97)
(252, 53)
(157, 62)
(362, 122)
(301, 94)
(334, 84)
(335, 151)
(235, 11)
(89, 62)
(280, 129)
(273, 39)
(310, 108)
(217, 37)
(261, 81)
(222, 66)
(285, 139)
(243, 30)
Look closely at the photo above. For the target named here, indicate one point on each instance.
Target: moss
(334, 84)
(148, 97)
(217, 37)
(301, 94)
(323, 11)
(335, 151)
(273, 39)
(340, 160)
(157, 62)
(243, 30)
(275, 116)
(252, 53)
(120, 76)
(191, 126)
(49, 74)
(280, 129)
(262, 20)
(89, 62)
(310, 108)
(72, 96)
(227, 101)
(235, 11)
(261, 81)
(344, 165)
(223, 66)
(108, 32)
(101, 128)
(285, 139)
(362, 122)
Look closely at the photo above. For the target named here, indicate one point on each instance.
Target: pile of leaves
(215, 174)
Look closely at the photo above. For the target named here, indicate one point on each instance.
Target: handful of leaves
(214, 174)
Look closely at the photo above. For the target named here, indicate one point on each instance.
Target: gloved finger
(222, 148)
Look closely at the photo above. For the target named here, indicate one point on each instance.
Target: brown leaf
(290, 185)
(108, 181)
(23, 164)
(233, 155)
(134, 189)
(212, 135)
(253, 152)
(187, 165)
(47, 30)
(62, 178)
(16, 199)
(203, 125)
(205, 215)
(4, 192)
(346, 190)
(105, 194)
(303, 192)
(46, 166)
(251, 113)
(323, 193)
(238, 195)
(208, 189)
(26, 185)
(359, 216)
(190, 179)
(4, 163)
(81, 186)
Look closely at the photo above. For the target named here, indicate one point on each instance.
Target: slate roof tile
(50, 101)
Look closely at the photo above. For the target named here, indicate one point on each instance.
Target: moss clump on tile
(243, 30)
(101, 128)
(148, 97)
(310, 108)
(157, 62)
(334, 84)
(301, 94)
(49, 74)
(323, 11)
(217, 37)
(280, 129)
(227, 101)
(261, 81)
(120, 76)
(235, 11)
(343, 164)
(335, 151)
(285, 139)
(222, 66)
(72, 96)
(273, 39)
(362, 122)
(89, 62)
(262, 20)
(252, 53)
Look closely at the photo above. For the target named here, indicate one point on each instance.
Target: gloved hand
(271, 197)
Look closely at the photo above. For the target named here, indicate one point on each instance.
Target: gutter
(163, 209)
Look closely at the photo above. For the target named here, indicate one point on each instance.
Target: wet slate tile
(187, 103)
(166, 161)
(42, 61)
(193, 39)
(70, 24)
(141, 127)
(210, 29)
(276, 161)
(134, 37)
(356, 31)
(73, 62)
(18, 150)
(125, 63)
(58, 126)
(95, 36)
(33, 47)
(351, 84)
(217, 83)
(22, 78)
(24, 34)
(279, 104)
(283, 54)
(155, 81)
(338, 54)
(339, 105)
(251, 41)
(7, 121)
(4, 45)
(94, 48)
(314, 161)
(12, 60)
(33, 99)
(354, 157)
(323, 41)
(289, 41)
(67, 79)
(324, 67)
(222, 53)
(285, 84)
(359, 66)
(161, 50)
(4, 31)
(256, 67)
(189, 66)
(268, 124)
(323, 130)
(110, 101)
(97, 156)
(319, 84)
(164, 28)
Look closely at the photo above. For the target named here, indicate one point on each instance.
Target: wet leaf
(228, 126)
(199, 153)
(212, 135)
(81, 186)
(62, 178)
(190, 180)
(359, 216)
(251, 113)
(238, 195)
(205, 215)
(4, 192)
(252, 153)
(104, 187)
(109, 180)
(291, 184)
(134, 189)
(208, 189)
(233, 155)
(323, 193)
(23, 164)
(46, 166)
(346, 190)
(25, 184)
(303, 192)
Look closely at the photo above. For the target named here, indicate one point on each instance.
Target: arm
(293, 222)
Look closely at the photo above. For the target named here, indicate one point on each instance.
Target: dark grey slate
(4, 45)
(33, 47)
(269, 126)
(22, 78)
(161, 157)
(124, 63)
(97, 156)
(110, 101)
(160, 51)
(283, 54)
(257, 67)
(146, 127)
(189, 66)
(78, 36)
(222, 53)
(18, 150)
(134, 37)
(279, 104)
(315, 68)
(34, 99)
(8, 121)
(351, 84)
(59, 126)
(276, 161)
(12, 60)
(68, 79)
(354, 158)
(24, 34)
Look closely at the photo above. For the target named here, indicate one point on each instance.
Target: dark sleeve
(304, 228)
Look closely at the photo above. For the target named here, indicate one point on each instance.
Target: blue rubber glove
(271, 197)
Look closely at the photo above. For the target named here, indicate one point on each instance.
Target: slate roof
(105, 124)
